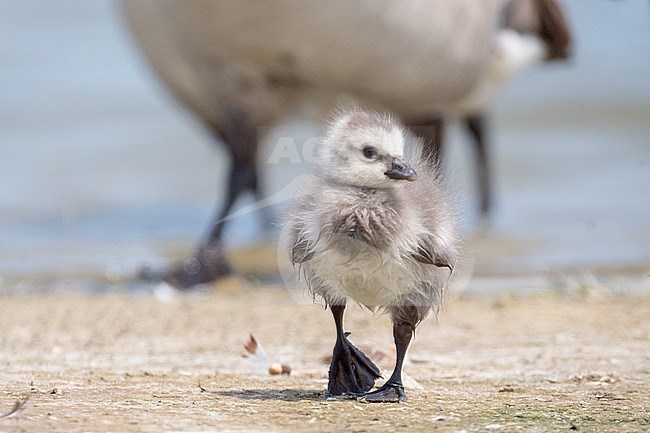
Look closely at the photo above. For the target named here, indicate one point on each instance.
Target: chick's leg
(393, 390)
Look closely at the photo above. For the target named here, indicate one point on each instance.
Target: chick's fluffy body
(388, 247)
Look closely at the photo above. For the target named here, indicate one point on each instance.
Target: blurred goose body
(241, 65)
(415, 57)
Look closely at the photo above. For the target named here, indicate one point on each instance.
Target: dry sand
(499, 362)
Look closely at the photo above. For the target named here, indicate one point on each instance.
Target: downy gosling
(372, 228)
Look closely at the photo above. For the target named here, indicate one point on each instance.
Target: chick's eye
(369, 152)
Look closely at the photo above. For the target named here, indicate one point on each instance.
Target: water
(101, 172)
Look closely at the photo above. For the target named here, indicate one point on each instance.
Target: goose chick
(375, 229)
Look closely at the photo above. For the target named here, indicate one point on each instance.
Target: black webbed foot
(389, 393)
(206, 265)
(393, 390)
(351, 371)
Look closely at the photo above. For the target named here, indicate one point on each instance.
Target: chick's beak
(401, 170)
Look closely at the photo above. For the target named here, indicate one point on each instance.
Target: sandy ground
(499, 362)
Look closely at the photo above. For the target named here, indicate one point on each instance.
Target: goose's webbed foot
(206, 265)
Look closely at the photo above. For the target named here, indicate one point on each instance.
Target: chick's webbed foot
(393, 390)
(389, 393)
(351, 371)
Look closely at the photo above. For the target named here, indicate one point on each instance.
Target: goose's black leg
(242, 178)
(476, 126)
(351, 371)
(209, 263)
(393, 390)
(431, 130)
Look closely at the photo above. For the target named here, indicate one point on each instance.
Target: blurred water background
(101, 172)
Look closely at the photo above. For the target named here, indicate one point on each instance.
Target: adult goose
(241, 65)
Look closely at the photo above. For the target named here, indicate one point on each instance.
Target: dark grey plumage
(361, 230)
